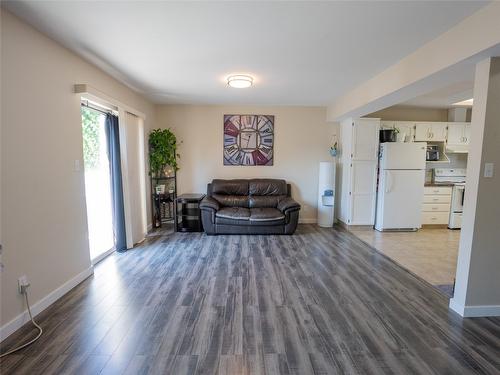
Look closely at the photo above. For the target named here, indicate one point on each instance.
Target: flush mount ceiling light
(468, 102)
(239, 81)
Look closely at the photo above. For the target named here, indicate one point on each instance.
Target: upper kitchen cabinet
(364, 139)
(467, 132)
(458, 137)
(431, 131)
(459, 133)
(406, 129)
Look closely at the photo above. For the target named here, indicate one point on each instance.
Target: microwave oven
(432, 153)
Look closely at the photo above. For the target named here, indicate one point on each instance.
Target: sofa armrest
(208, 203)
(287, 205)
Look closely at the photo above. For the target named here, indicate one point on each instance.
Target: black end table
(188, 213)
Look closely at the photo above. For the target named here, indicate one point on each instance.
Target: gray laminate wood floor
(318, 302)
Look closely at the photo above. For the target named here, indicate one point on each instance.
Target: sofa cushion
(267, 186)
(265, 201)
(235, 222)
(265, 214)
(234, 213)
(231, 200)
(230, 187)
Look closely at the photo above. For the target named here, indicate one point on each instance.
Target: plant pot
(401, 137)
(333, 152)
(387, 135)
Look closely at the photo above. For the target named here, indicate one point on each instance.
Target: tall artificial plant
(162, 151)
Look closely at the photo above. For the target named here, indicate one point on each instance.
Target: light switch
(488, 170)
(76, 166)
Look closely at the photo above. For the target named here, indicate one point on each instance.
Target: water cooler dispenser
(326, 193)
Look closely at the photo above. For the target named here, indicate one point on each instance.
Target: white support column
(477, 290)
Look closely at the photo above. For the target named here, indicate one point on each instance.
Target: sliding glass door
(97, 183)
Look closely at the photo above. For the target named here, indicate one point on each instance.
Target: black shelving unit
(163, 203)
(188, 213)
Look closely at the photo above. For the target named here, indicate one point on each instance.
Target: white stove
(457, 178)
(449, 175)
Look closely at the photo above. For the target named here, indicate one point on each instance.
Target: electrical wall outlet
(22, 284)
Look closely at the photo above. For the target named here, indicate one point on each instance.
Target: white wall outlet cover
(22, 282)
(488, 170)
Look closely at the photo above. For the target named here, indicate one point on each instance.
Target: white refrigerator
(401, 180)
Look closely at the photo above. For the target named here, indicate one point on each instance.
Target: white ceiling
(300, 53)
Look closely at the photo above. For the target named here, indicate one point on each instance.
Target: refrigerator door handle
(388, 181)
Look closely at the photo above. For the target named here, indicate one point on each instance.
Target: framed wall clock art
(248, 139)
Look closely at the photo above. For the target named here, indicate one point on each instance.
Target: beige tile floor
(428, 253)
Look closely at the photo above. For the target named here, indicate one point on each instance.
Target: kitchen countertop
(439, 184)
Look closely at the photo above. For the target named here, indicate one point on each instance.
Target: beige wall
(302, 139)
(403, 113)
(43, 205)
(407, 113)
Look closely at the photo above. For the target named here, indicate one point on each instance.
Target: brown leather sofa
(254, 206)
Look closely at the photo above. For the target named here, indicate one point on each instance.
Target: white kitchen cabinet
(436, 205)
(435, 218)
(358, 180)
(437, 190)
(458, 133)
(431, 131)
(405, 127)
(467, 132)
(365, 136)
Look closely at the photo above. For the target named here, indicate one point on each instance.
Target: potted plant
(334, 147)
(162, 152)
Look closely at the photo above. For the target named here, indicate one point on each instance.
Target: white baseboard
(307, 221)
(16, 323)
(474, 311)
(98, 258)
